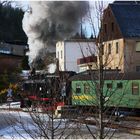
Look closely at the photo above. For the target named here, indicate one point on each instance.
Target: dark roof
(10, 55)
(80, 40)
(13, 49)
(126, 2)
(107, 76)
(128, 18)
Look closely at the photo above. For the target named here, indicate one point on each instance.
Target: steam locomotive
(47, 91)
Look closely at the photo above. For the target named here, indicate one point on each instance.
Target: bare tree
(100, 98)
(41, 94)
(95, 103)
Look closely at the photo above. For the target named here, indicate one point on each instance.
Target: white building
(69, 51)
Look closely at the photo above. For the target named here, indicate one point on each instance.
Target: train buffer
(66, 112)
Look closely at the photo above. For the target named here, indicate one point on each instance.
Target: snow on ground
(13, 130)
(10, 105)
(16, 124)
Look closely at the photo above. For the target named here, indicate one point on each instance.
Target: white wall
(71, 51)
(59, 49)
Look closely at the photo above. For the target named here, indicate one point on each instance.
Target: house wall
(71, 51)
(132, 57)
(60, 51)
(114, 60)
(110, 29)
(9, 63)
(128, 59)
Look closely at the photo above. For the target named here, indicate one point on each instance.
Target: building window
(112, 26)
(105, 28)
(135, 88)
(109, 48)
(102, 49)
(78, 88)
(109, 85)
(109, 13)
(86, 88)
(58, 55)
(61, 55)
(119, 85)
(117, 47)
(137, 68)
(137, 46)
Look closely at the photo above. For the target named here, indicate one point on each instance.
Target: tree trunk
(101, 98)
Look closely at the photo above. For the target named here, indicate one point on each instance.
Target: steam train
(80, 90)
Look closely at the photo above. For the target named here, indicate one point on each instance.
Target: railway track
(126, 125)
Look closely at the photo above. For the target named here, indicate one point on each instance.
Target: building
(11, 56)
(13, 49)
(69, 51)
(120, 35)
(9, 63)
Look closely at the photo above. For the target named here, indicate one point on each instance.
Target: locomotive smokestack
(50, 21)
(33, 71)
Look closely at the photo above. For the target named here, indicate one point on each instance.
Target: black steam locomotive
(47, 91)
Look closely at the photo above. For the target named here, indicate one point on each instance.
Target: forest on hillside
(11, 24)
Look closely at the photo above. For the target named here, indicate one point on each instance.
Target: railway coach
(121, 90)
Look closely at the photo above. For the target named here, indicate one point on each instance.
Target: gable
(110, 29)
(128, 18)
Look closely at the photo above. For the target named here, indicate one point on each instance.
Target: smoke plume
(47, 22)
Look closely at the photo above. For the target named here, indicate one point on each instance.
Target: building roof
(8, 55)
(128, 18)
(12, 49)
(80, 40)
(93, 75)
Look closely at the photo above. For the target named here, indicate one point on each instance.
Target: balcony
(89, 59)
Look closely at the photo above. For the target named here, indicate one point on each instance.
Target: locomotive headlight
(40, 88)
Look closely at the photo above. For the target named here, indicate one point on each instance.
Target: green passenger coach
(119, 90)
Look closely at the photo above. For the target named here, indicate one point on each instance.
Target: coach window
(78, 88)
(86, 88)
(135, 88)
(109, 85)
(119, 85)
